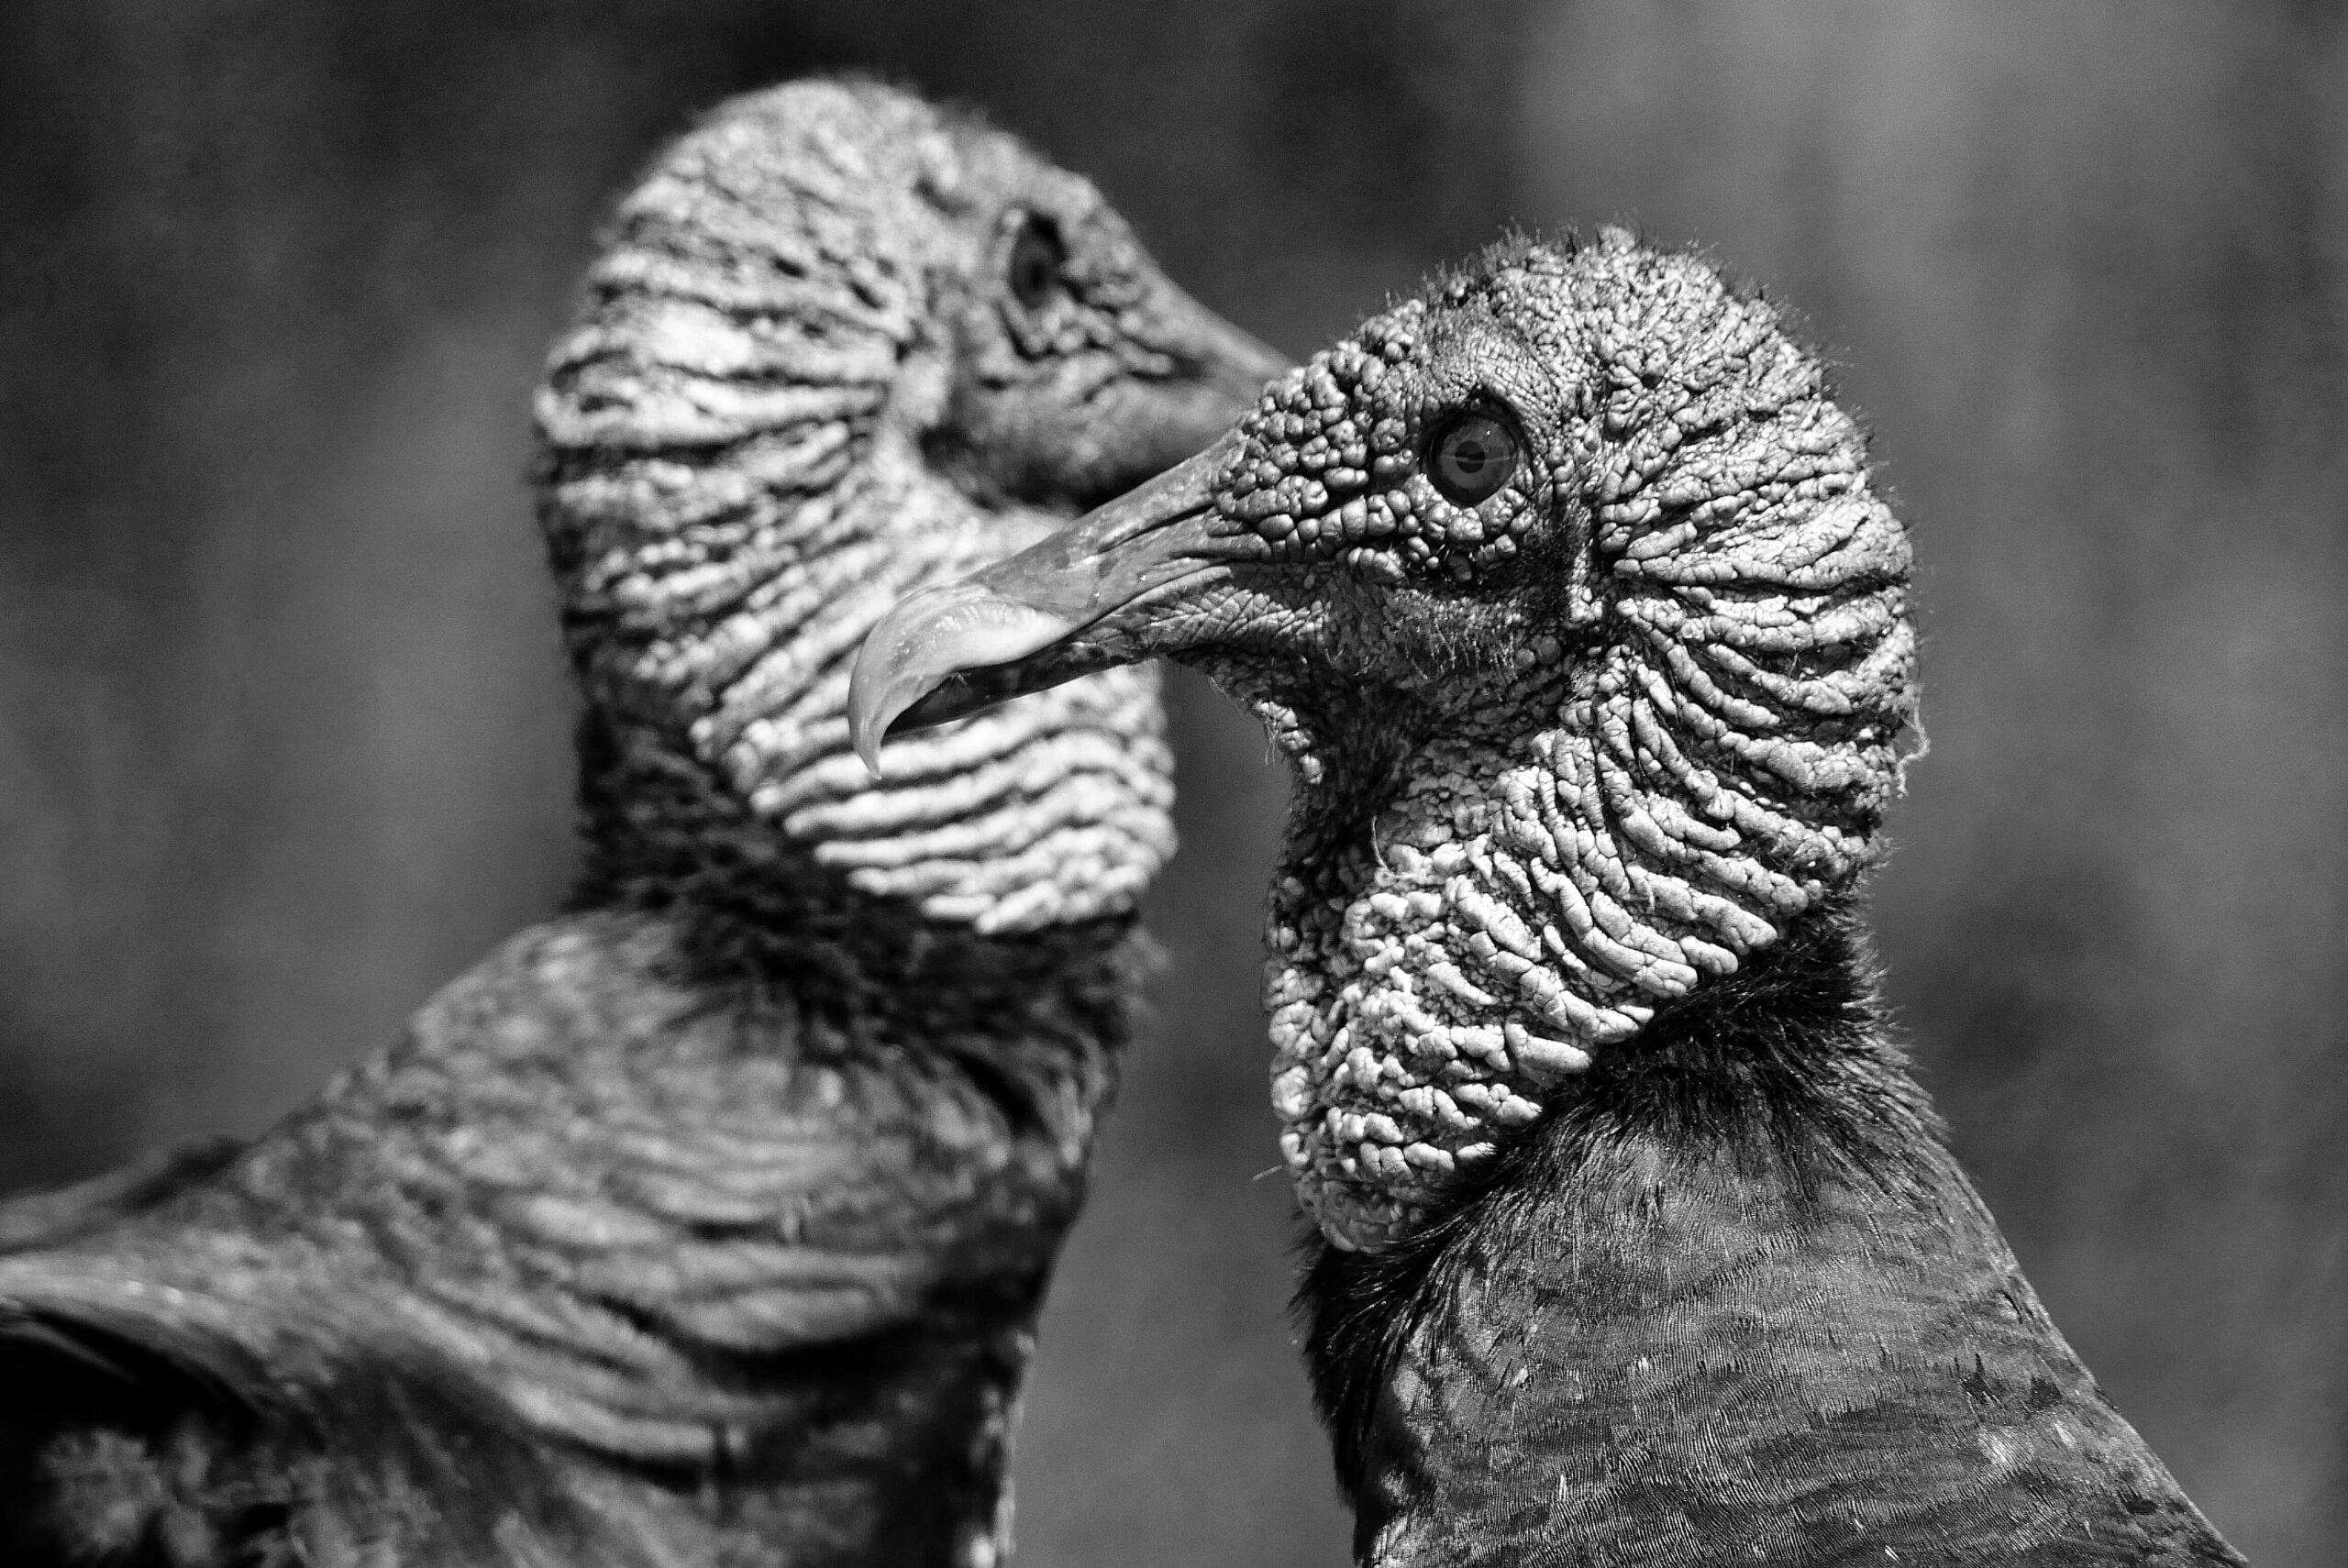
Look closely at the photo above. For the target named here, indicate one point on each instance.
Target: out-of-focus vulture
(709, 1222)
(1564, 589)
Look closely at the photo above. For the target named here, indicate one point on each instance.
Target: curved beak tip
(926, 639)
(866, 725)
(868, 749)
(996, 622)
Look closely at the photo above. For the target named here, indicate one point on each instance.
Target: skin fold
(1565, 590)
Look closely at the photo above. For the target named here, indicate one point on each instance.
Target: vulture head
(1564, 588)
(843, 344)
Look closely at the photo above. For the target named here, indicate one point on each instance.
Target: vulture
(708, 1222)
(1564, 587)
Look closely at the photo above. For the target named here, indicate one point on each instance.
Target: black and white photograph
(1419, 783)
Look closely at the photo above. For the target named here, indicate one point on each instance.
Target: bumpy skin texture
(709, 1223)
(1640, 1245)
(1687, 744)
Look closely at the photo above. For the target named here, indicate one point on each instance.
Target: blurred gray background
(283, 737)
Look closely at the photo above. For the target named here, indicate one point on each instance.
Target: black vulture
(709, 1221)
(1564, 588)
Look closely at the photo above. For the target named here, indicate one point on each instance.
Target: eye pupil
(1037, 257)
(1474, 454)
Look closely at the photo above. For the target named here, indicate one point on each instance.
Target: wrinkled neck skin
(1000, 854)
(734, 489)
(1472, 911)
(1698, 1282)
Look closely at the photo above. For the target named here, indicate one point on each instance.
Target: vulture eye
(1037, 257)
(1471, 456)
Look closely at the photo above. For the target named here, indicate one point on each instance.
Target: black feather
(1731, 1303)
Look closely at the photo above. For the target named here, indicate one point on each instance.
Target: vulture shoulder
(703, 1231)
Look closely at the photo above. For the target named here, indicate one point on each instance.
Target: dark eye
(1471, 456)
(1037, 257)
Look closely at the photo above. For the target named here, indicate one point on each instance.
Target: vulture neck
(752, 905)
(1732, 1301)
(717, 786)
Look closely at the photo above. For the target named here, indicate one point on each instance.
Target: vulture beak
(1229, 364)
(1209, 373)
(1078, 600)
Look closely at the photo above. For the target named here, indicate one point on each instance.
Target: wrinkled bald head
(1564, 585)
(841, 344)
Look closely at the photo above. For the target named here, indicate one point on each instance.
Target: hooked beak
(1213, 373)
(1233, 364)
(1062, 608)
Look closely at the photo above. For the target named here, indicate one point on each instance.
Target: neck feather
(672, 1182)
(1734, 1301)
